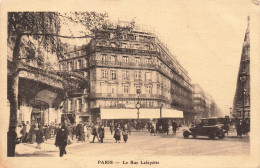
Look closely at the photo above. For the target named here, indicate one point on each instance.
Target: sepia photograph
(130, 84)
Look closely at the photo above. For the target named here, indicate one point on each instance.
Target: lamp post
(230, 115)
(161, 106)
(242, 78)
(138, 105)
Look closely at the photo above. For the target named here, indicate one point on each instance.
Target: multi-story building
(199, 102)
(41, 88)
(204, 104)
(241, 102)
(125, 67)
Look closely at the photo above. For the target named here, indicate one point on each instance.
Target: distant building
(241, 102)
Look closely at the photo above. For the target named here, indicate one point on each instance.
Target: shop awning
(171, 113)
(143, 113)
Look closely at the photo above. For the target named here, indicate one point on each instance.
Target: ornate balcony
(130, 96)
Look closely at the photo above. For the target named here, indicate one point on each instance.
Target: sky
(206, 37)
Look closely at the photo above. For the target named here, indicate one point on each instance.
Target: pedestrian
(129, 128)
(69, 130)
(152, 128)
(12, 140)
(51, 130)
(125, 132)
(239, 128)
(117, 134)
(81, 134)
(47, 132)
(31, 134)
(166, 126)
(24, 133)
(174, 127)
(39, 136)
(74, 131)
(111, 127)
(88, 132)
(101, 133)
(94, 132)
(61, 140)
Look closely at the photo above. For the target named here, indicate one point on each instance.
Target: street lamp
(161, 110)
(138, 105)
(242, 78)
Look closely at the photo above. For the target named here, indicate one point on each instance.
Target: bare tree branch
(56, 35)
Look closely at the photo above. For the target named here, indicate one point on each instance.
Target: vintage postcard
(130, 83)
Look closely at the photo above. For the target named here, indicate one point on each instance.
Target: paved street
(142, 143)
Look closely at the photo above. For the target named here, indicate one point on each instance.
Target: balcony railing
(114, 95)
(121, 64)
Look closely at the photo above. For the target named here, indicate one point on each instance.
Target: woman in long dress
(117, 134)
(39, 136)
(125, 132)
(101, 133)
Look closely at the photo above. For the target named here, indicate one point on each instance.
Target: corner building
(122, 61)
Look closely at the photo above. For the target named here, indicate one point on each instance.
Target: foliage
(43, 29)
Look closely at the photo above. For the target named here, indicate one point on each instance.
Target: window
(113, 58)
(113, 75)
(138, 88)
(138, 75)
(124, 36)
(113, 44)
(125, 89)
(124, 45)
(69, 105)
(137, 60)
(113, 88)
(79, 105)
(61, 67)
(148, 89)
(147, 47)
(125, 75)
(112, 35)
(85, 74)
(77, 54)
(104, 74)
(104, 58)
(75, 65)
(136, 46)
(125, 58)
(79, 65)
(70, 66)
(148, 60)
(148, 76)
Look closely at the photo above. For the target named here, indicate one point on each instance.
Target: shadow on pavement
(35, 154)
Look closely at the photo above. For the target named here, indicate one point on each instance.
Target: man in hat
(61, 140)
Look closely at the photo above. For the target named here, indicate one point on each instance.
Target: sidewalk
(47, 148)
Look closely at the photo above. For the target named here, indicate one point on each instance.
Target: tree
(44, 28)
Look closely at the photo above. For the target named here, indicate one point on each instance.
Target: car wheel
(212, 135)
(186, 134)
(221, 134)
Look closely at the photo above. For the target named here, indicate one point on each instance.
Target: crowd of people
(64, 134)
(89, 132)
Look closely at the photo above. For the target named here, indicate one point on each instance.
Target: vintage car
(208, 127)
